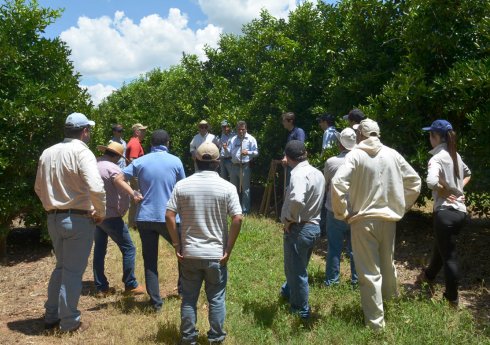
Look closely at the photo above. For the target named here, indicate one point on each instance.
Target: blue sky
(115, 41)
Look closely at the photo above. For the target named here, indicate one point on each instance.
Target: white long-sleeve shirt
(304, 195)
(378, 181)
(441, 170)
(68, 178)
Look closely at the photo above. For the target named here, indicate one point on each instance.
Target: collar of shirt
(438, 148)
(207, 172)
(300, 165)
(159, 148)
(69, 140)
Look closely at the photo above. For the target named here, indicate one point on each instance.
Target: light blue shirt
(237, 144)
(122, 161)
(224, 138)
(329, 137)
(157, 174)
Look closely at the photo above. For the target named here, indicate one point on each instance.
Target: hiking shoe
(82, 327)
(139, 290)
(105, 292)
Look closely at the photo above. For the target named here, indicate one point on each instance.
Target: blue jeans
(225, 167)
(235, 179)
(298, 246)
(149, 233)
(215, 276)
(72, 236)
(337, 231)
(117, 230)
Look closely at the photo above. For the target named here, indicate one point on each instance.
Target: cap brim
(355, 127)
(346, 117)
(91, 123)
(427, 129)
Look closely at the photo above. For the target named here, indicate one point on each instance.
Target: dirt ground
(25, 274)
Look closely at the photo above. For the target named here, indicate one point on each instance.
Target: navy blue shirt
(157, 174)
(296, 134)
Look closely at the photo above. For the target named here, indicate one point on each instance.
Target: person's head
(225, 127)
(207, 157)
(295, 152)
(139, 131)
(77, 126)
(159, 137)
(325, 121)
(366, 129)
(241, 128)
(117, 130)
(354, 117)
(203, 127)
(114, 151)
(288, 120)
(441, 131)
(347, 139)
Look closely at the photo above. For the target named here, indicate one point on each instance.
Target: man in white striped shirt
(203, 202)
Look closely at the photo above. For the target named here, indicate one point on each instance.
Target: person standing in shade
(327, 124)
(225, 156)
(243, 148)
(295, 133)
(157, 174)
(202, 137)
(354, 117)
(372, 190)
(113, 226)
(72, 192)
(447, 175)
(338, 230)
(135, 150)
(300, 215)
(117, 131)
(203, 201)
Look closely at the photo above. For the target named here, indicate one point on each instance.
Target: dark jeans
(447, 225)
(149, 233)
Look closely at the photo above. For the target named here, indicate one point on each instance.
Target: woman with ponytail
(447, 175)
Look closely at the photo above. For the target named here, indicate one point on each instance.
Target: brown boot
(139, 290)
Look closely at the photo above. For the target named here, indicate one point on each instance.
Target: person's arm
(411, 183)
(296, 201)
(253, 150)
(339, 188)
(121, 184)
(236, 224)
(170, 221)
(301, 135)
(90, 174)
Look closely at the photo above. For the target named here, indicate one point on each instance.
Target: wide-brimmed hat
(113, 147)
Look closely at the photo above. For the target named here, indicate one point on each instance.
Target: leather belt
(69, 210)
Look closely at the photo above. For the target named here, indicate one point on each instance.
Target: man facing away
(72, 192)
(242, 148)
(225, 155)
(203, 202)
(380, 186)
(338, 230)
(300, 215)
(117, 131)
(157, 174)
(113, 226)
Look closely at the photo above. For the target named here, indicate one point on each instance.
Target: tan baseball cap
(207, 152)
(138, 126)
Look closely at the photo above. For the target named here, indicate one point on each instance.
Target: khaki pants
(132, 206)
(373, 244)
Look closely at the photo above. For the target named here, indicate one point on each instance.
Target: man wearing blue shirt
(242, 148)
(327, 124)
(225, 155)
(295, 133)
(157, 174)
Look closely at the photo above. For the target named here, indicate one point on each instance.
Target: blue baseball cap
(441, 126)
(78, 120)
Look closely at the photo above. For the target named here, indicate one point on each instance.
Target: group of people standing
(365, 189)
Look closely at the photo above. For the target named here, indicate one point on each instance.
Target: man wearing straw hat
(113, 226)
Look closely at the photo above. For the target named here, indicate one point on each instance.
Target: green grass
(257, 315)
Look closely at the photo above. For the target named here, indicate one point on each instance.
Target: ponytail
(451, 147)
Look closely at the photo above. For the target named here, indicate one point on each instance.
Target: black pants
(447, 225)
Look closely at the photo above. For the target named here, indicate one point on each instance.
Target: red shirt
(134, 149)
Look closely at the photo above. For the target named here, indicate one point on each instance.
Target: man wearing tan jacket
(372, 191)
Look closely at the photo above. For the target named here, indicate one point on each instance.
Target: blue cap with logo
(78, 120)
(441, 126)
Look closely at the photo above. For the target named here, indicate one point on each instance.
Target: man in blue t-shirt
(295, 133)
(157, 174)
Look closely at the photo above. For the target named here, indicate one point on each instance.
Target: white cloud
(117, 49)
(99, 91)
(232, 14)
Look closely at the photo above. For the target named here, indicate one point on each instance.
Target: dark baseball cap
(441, 126)
(355, 115)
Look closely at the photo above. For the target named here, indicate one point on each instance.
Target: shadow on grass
(24, 245)
(350, 313)
(31, 327)
(264, 312)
